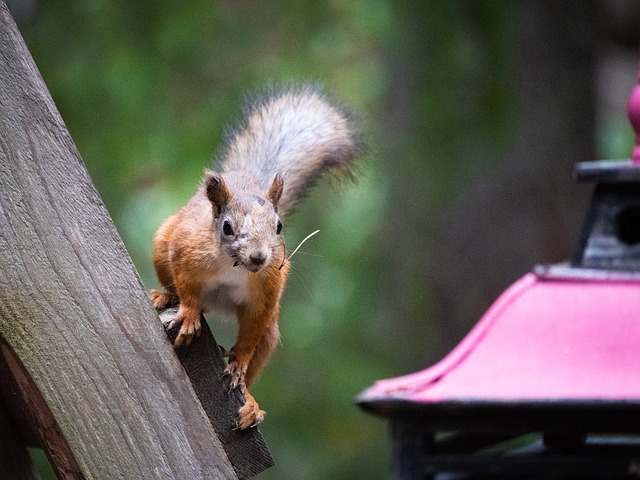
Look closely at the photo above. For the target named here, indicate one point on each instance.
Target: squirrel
(224, 250)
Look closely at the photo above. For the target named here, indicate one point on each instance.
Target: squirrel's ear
(275, 192)
(217, 191)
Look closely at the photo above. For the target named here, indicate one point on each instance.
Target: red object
(547, 338)
(633, 110)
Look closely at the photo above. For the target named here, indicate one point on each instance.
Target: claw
(226, 374)
(238, 423)
(172, 324)
(180, 340)
(239, 386)
(255, 424)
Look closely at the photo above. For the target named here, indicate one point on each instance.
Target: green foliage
(146, 89)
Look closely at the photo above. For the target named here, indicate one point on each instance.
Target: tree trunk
(471, 214)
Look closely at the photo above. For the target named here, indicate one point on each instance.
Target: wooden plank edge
(204, 365)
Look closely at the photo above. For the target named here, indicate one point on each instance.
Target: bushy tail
(296, 132)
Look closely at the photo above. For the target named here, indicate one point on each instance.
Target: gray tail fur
(296, 132)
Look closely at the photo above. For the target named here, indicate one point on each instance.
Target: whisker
(284, 254)
(300, 244)
(300, 278)
(309, 254)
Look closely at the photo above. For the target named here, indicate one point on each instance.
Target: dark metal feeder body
(611, 236)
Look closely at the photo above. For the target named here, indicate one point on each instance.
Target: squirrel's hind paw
(236, 372)
(249, 415)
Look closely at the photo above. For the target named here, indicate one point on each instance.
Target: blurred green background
(474, 112)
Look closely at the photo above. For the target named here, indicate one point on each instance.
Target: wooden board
(72, 307)
(203, 362)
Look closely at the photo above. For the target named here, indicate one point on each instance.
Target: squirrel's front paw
(249, 415)
(161, 300)
(190, 327)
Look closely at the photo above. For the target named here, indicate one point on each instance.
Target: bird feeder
(548, 381)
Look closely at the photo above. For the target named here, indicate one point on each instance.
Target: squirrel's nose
(258, 258)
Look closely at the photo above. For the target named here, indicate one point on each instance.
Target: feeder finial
(633, 110)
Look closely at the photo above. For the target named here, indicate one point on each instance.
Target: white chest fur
(226, 291)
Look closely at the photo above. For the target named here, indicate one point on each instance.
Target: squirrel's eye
(279, 228)
(226, 228)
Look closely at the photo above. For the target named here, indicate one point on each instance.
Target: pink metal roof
(545, 338)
